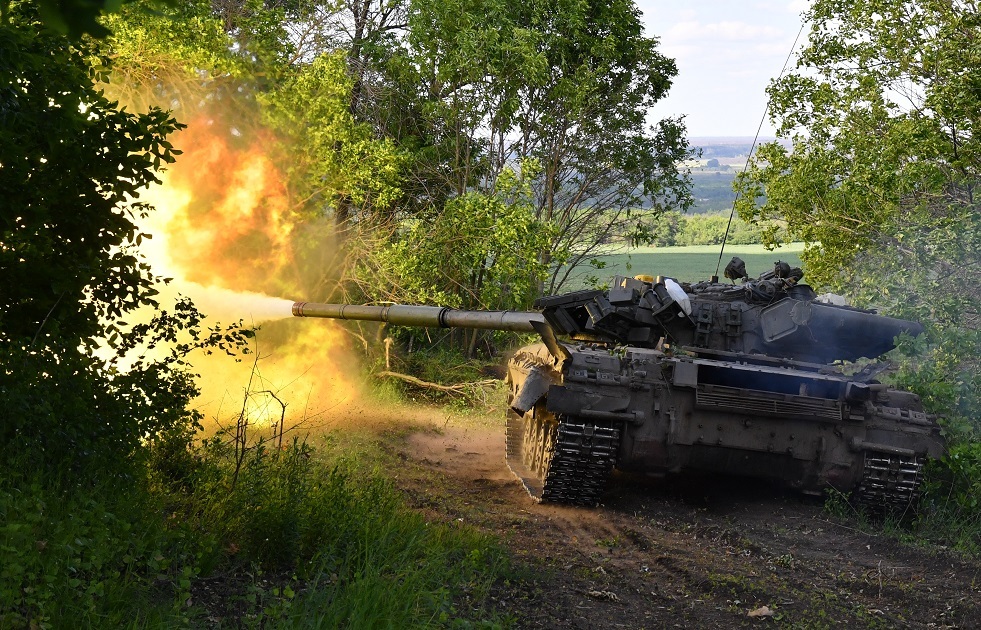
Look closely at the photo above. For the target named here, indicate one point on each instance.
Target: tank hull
(642, 411)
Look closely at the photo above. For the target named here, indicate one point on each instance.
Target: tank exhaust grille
(766, 403)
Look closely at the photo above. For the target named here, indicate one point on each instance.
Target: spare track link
(890, 483)
(562, 461)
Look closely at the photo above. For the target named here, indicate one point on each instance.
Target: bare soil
(686, 552)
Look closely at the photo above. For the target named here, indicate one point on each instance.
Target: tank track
(564, 460)
(890, 483)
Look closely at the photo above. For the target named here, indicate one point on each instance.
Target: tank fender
(612, 405)
(534, 387)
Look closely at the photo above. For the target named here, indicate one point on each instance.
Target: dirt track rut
(683, 552)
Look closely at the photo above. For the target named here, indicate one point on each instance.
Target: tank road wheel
(530, 447)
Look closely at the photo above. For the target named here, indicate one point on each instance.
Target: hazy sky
(727, 52)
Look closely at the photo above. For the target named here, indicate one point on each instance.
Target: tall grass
(87, 555)
(356, 555)
(297, 539)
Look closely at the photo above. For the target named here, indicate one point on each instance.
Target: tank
(653, 376)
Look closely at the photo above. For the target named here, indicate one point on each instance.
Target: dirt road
(687, 553)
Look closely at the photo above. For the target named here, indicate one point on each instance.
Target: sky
(727, 52)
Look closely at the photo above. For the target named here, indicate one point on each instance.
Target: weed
(326, 543)
(92, 555)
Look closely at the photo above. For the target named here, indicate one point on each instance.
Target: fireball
(224, 230)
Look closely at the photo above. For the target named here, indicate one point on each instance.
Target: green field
(692, 263)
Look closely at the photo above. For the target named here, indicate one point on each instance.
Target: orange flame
(223, 228)
(227, 215)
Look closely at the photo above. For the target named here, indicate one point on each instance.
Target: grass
(692, 263)
(311, 536)
(87, 555)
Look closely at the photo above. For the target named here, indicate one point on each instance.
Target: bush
(82, 554)
(675, 229)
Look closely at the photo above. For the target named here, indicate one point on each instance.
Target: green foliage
(69, 160)
(78, 554)
(337, 164)
(673, 229)
(73, 17)
(149, 46)
(415, 112)
(326, 541)
(76, 424)
(667, 227)
(564, 83)
(241, 66)
(963, 464)
(881, 182)
(353, 552)
(873, 175)
(480, 251)
(712, 191)
(108, 514)
(478, 381)
(282, 508)
(198, 60)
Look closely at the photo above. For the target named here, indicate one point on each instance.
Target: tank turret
(772, 316)
(656, 376)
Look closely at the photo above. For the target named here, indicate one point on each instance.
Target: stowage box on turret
(653, 376)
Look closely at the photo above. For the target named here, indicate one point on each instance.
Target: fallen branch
(452, 389)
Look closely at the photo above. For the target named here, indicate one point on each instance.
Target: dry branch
(453, 389)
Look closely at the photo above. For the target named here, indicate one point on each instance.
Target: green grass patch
(89, 555)
(303, 536)
(691, 263)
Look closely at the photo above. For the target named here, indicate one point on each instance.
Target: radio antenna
(752, 149)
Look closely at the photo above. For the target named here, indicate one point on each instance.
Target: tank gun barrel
(425, 316)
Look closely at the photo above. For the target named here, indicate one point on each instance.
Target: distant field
(712, 191)
(693, 263)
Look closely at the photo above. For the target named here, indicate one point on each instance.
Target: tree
(71, 166)
(339, 167)
(480, 251)
(565, 84)
(70, 161)
(587, 125)
(443, 98)
(882, 178)
(198, 57)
